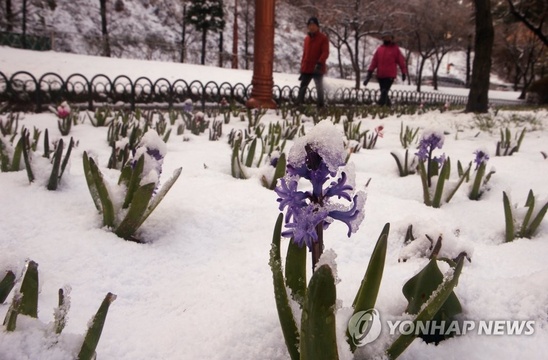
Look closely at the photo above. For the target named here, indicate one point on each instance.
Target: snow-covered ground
(201, 287)
(64, 64)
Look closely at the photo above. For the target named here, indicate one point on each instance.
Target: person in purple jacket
(386, 59)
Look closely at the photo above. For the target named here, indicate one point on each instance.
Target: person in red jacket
(386, 58)
(315, 54)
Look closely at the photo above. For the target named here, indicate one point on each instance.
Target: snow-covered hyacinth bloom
(430, 140)
(63, 110)
(154, 149)
(319, 157)
(481, 157)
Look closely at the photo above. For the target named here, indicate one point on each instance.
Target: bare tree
(349, 23)
(235, 37)
(183, 34)
(448, 32)
(478, 98)
(9, 16)
(518, 54)
(104, 29)
(533, 14)
(248, 17)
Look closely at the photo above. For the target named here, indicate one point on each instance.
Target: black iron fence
(23, 91)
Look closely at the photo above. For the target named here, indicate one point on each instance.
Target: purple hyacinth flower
(351, 217)
(303, 226)
(289, 196)
(429, 142)
(318, 157)
(340, 188)
(481, 158)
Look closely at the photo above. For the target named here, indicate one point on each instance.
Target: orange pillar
(263, 56)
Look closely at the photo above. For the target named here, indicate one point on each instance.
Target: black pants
(305, 81)
(385, 84)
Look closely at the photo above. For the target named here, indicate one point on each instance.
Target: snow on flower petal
(326, 140)
(352, 216)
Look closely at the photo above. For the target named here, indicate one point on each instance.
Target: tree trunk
(221, 49)
(204, 38)
(9, 16)
(356, 62)
(419, 75)
(235, 37)
(437, 70)
(104, 29)
(24, 38)
(468, 60)
(478, 99)
(339, 59)
(183, 36)
(246, 36)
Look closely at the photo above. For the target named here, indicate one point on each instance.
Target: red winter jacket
(316, 50)
(385, 60)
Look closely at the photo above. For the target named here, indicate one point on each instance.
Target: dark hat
(313, 20)
(387, 34)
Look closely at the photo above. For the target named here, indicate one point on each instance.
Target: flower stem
(317, 247)
(429, 169)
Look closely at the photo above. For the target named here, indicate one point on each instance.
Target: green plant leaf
(509, 218)
(57, 156)
(160, 195)
(91, 183)
(6, 285)
(443, 176)
(132, 220)
(285, 314)
(29, 289)
(480, 173)
(16, 159)
(107, 208)
(26, 159)
(464, 177)
(87, 352)
(67, 157)
(46, 144)
(10, 321)
(134, 182)
(61, 312)
(251, 153)
(536, 222)
(318, 327)
(424, 180)
(295, 271)
(279, 172)
(398, 163)
(366, 297)
(435, 303)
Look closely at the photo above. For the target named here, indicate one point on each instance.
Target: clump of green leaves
(101, 117)
(141, 195)
(508, 145)
(25, 302)
(524, 226)
(408, 136)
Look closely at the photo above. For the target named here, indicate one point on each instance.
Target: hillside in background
(152, 30)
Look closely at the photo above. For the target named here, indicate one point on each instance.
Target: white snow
(201, 287)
